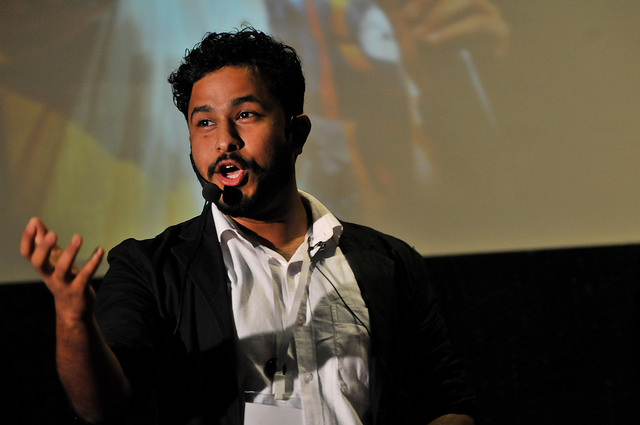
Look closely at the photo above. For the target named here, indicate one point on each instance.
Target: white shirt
(327, 372)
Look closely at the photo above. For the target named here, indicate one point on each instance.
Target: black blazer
(164, 307)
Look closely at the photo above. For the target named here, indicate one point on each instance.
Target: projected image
(370, 68)
(438, 121)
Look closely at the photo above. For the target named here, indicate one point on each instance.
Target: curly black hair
(276, 63)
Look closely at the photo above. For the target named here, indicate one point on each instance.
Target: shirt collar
(226, 228)
(325, 228)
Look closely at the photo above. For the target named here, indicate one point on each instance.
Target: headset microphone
(211, 192)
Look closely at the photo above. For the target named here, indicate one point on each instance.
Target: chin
(234, 203)
(261, 205)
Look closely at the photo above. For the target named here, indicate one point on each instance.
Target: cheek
(200, 144)
(273, 154)
(201, 153)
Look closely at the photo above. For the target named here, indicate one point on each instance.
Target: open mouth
(230, 173)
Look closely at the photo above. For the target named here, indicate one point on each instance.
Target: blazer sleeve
(441, 382)
(416, 373)
(164, 309)
(134, 322)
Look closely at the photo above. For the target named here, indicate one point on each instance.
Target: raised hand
(421, 24)
(88, 369)
(69, 284)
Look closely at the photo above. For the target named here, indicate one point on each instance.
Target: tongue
(233, 174)
(232, 177)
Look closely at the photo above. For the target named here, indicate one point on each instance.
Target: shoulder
(150, 266)
(167, 251)
(370, 251)
(358, 236)
(172, 236)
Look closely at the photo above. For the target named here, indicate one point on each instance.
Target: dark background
(548, 337)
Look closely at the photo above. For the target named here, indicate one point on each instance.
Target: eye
(203, 123)
(246, 114)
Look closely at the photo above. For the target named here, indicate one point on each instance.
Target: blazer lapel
(212, 329)
(375, 274)
(202, 257)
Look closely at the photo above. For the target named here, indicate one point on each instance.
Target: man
(265, 306)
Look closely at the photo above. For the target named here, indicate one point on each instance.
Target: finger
(444, 12)
(447, 12)
(472, 25)
(88, 270)
(40, 256)
(41, 230)
(486, 6)
(64, 268)
(28, 240)
(415, 9)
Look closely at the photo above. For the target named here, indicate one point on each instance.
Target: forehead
(227, 84)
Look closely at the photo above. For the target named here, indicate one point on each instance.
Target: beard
(270, 181)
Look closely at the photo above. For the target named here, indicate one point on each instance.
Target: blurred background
(460, 126)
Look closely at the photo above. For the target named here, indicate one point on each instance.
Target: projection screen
(518, 132)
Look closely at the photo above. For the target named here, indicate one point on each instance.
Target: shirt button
(308, 377)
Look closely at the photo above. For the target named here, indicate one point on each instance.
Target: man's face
(239, 141)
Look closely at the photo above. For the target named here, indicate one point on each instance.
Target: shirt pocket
(351, 339)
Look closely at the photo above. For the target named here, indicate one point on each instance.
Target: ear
(300, 128)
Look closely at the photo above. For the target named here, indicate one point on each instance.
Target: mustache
(233, 156)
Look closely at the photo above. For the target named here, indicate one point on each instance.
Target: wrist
(72, 322)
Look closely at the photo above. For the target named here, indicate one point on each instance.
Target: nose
(228, 139)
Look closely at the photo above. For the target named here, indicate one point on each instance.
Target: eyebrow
(202, 108)
(235, 102)
(248, 98)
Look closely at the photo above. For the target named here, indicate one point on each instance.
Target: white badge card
(267, 414)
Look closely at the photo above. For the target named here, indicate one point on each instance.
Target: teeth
(231, 171)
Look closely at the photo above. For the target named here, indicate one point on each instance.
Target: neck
(284, 232)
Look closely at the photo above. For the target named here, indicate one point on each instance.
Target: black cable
(344, 302)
